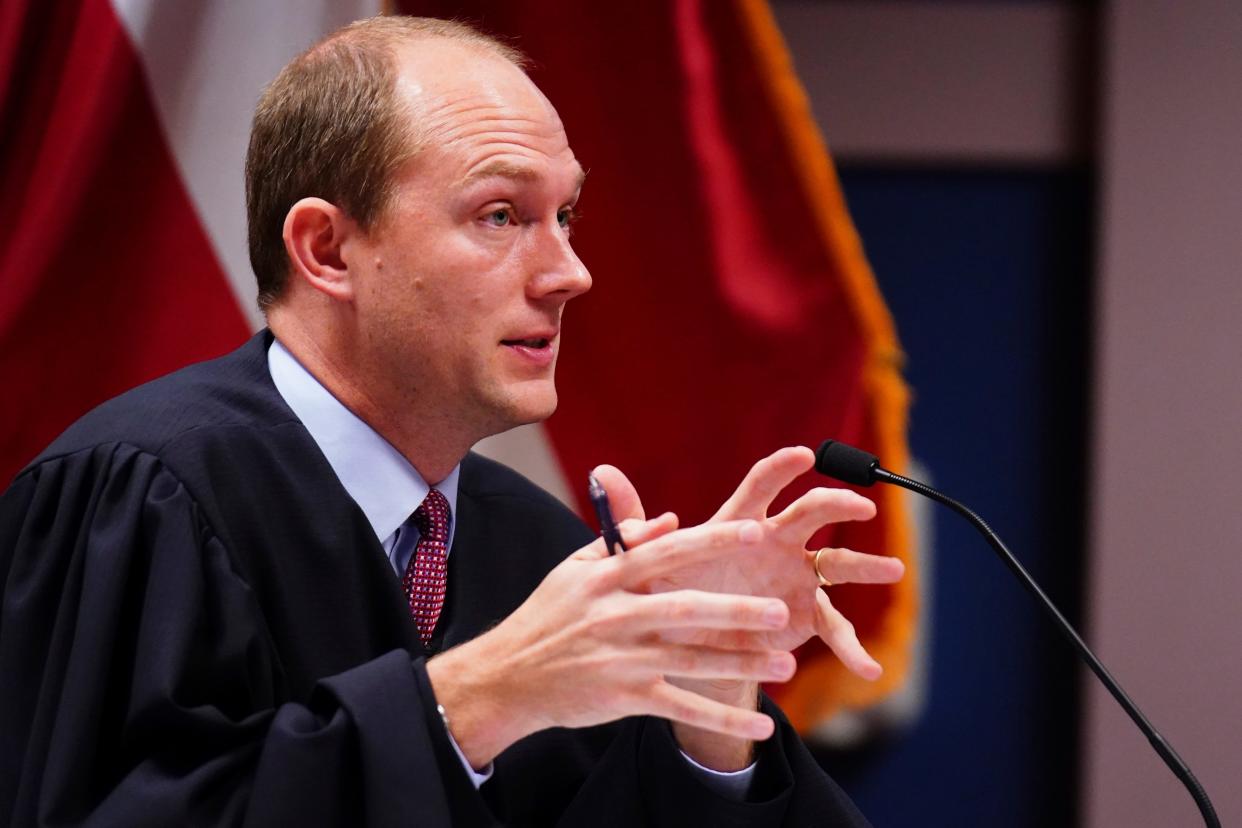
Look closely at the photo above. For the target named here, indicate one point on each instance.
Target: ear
(315, 232)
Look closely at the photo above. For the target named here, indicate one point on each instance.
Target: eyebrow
(516, 172)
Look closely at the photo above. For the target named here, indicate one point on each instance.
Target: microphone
(844, 462)
(853, 465)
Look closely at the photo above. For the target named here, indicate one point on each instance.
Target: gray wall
(1151, 97)
(1167, 504)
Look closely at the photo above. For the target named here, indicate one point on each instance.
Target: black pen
(599, 499)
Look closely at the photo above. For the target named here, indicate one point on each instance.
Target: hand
(783, 568)
(590, 645)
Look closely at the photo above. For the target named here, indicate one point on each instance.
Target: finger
(764, 482)
(821, 506)
(729, 639)
(637, 532)
(685, 547)
(623, 498)
(678, 705)
(708, 611)
(701, 662)
(838, 633)
(845, 566)
(634, 532)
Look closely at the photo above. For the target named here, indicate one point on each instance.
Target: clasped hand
(659, 630)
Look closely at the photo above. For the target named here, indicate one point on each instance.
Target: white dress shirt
(388, 490)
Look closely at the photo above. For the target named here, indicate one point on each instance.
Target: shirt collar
(379, 479)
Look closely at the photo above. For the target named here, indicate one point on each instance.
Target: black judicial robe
(199, 628)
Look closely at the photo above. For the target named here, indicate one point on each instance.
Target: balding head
(334, 124)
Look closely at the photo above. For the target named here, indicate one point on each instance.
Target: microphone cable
(853, 465)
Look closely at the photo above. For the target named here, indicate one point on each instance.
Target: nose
(557, 272)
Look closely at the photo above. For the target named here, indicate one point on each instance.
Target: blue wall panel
(987, 274)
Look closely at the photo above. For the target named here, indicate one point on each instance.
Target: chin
(531, 405)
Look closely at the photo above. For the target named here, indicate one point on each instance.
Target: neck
(433, 441)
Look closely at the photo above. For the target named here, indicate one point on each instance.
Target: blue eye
(566, 216)
(499, 218)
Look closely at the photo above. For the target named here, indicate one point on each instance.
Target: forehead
(473, 107)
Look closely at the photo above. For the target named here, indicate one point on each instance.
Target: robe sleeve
(140, 686)
(643, 780)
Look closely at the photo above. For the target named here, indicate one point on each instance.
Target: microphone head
(846, 463)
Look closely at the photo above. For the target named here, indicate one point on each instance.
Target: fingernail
(776, 615)
(750, 532)
(762, 728)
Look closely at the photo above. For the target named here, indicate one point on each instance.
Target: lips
(534, 349)
(532, 338)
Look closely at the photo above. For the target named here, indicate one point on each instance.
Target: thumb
(622, 496)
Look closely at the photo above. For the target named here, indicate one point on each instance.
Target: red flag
(108, 279)
(125, 129)
(733, 310)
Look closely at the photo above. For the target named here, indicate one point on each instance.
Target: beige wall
(1007, 83)
(1165, 612)
(899, 81)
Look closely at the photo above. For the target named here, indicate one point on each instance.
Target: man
(229, 595)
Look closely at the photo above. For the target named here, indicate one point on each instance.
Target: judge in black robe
(199, 627)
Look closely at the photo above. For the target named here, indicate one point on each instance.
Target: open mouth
(541, 342)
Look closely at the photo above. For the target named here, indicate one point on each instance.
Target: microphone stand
(864, 469)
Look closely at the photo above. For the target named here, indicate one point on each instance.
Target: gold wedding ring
(818, 574)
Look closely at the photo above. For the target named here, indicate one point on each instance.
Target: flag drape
(107, 278)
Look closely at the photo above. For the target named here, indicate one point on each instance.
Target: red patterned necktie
(425, 575)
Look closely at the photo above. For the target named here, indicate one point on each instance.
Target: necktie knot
(432, 517)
